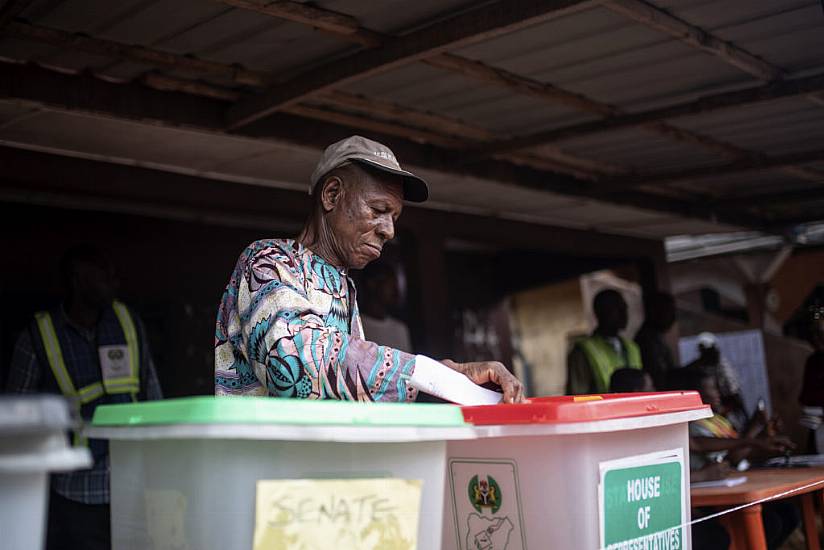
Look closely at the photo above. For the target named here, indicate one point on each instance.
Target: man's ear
(332, 193)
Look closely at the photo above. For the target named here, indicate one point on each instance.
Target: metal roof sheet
(596, 52)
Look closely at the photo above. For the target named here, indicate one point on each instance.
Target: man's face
(364, 219)
(95, 284)
(615, 315)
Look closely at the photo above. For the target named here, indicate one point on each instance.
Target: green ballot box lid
(276, 411)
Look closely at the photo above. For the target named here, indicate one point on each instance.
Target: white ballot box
(565, 473)
(185, 472)
(33, 442)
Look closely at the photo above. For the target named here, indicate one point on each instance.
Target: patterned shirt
(28, 374)
(288, 326)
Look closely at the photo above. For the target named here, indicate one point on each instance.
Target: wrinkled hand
(491, 371)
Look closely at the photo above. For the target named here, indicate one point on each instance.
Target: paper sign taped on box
(361, 514)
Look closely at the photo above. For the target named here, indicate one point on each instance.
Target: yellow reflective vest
(128, 384)
(603, 360)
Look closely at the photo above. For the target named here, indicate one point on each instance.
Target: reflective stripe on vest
(78, 397)
(131, 383)
(604, 360)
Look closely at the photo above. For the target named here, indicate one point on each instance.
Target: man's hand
(775, 444)
(491, 371)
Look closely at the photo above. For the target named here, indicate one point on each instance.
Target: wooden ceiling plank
(696, 37)
(762, 162)
(138, 54)
(338, 24)
(85, 93)
(740, 98)
(463, 29)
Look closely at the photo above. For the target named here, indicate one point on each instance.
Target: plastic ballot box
(571, 473)
(33, 443)
(184, 471)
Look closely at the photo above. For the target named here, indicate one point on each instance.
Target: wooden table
(745, 526)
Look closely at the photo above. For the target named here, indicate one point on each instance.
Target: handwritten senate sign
(357, 514)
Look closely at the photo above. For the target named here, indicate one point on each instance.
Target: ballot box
(33, 443)
(184, 472)
(568, 473)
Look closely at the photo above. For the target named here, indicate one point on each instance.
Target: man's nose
(386, 229)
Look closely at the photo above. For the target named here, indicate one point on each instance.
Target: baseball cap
(370, 153)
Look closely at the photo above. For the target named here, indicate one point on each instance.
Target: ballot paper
(356, 514)
(437, 379)
(726, 482)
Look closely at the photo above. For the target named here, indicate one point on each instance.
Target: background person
(714, 440)
(93, 350)
(593, 359)
(656, 355)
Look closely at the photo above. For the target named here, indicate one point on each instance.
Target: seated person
(707, 535)
(732, 403)
(714, 440)
(628, 380)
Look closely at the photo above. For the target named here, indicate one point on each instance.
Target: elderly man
(288, 324)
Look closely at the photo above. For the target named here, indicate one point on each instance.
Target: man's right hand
(491, 371)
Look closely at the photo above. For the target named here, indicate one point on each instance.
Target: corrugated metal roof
(596, 52)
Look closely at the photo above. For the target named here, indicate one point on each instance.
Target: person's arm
(776, 444)
(25, 372)
(293, 352)
(579, 373)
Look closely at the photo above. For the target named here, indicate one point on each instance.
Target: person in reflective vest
(92, 349)
(593, 359)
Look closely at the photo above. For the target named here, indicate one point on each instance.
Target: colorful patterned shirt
(288, 326)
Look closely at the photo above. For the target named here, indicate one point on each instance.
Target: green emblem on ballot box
(485, 493)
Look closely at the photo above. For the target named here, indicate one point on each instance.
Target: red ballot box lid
(584, 408)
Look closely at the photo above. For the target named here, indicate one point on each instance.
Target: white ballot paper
(437, 379)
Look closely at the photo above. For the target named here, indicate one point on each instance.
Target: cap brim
(415, 189)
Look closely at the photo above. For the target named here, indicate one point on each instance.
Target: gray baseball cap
(373, 154)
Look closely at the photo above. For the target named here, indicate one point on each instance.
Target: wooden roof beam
(761, 162)
(644, 13)
(84, 93)
(570, 164)
(395, 120)
(139, 54)
(654, 17)
(446, 61)
(696, 37)
(335, 23)
(468, 27)
(470, 134)
(707, 104)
